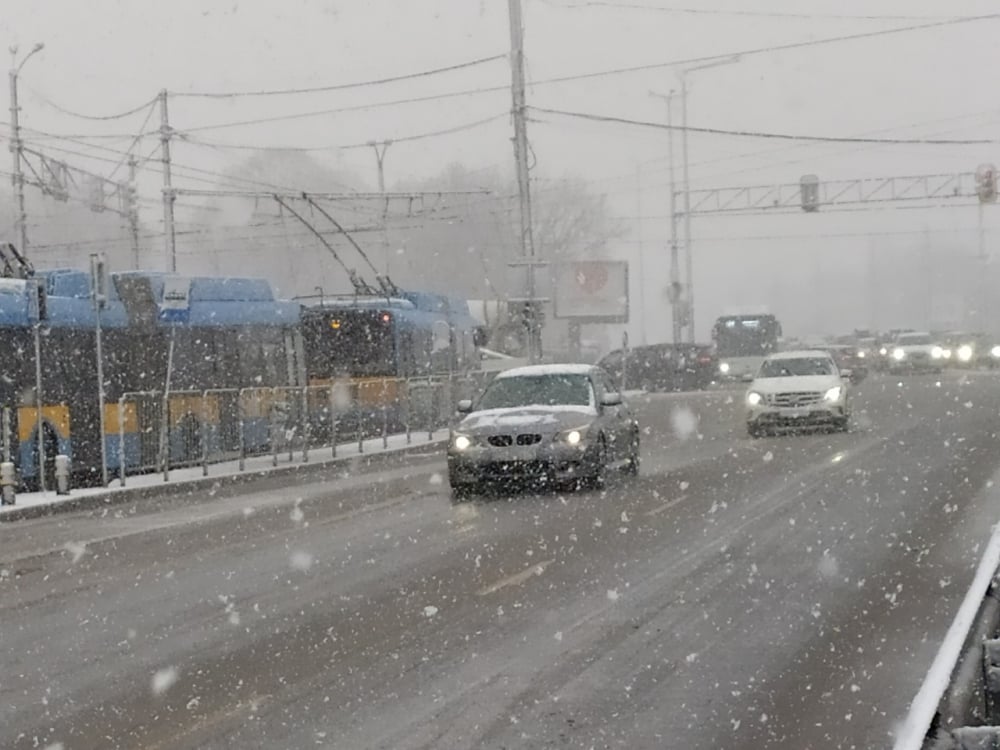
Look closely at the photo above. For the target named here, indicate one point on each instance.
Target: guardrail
(958, 705)
(225, 424)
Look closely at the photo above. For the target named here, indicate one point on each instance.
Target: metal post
(241, 428)
(361, 433)
(305, 424)
(385, 426)
(204, 433)
(121, 440)
(518, 108)
(165, 414)
(101, 396)
(333, 420)
(272, 423)
(168, 190)
(642, 253)
(5, 427)
(407, 406)
(675, 302)
(291, 438)
(39, 419)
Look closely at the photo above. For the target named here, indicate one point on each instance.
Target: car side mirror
(611, 399)
(464, 406)
(847, 374)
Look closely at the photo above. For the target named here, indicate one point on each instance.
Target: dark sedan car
(663, 367)
(543, 426)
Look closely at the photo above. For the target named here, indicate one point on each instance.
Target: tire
(842, 425)
(754, 431)
(599, 478)
(634, 460)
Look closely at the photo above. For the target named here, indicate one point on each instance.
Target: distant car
(916, 352)
(973, 350)
(543, 426)
(663, 367)
(851, 359)
(795, 390)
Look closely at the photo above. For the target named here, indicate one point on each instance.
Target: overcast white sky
(102, 57)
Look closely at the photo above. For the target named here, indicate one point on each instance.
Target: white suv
(798, 389)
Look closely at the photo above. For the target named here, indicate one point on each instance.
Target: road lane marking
(515, 580)
(666, 506)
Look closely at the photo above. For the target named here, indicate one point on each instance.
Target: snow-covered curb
(227, 474)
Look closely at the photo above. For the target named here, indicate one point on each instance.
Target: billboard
(591, 291)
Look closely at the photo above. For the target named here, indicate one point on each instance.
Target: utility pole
(17, 147)
(523, 177)
(674, 290)
(642, 253)
(168, 189)
(688, 258)
(133, 210)
(380, 148)
(688, 272)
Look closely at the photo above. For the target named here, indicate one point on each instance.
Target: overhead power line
(402, 139)
(340, 86)
(594, 74)
(753, 13)
(767, 135)
(95, 118)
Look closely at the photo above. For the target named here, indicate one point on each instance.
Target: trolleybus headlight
(724, 368)
(754, 398)
(898, 354)
(461, 442)
(965, 352)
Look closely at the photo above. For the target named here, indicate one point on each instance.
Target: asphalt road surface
(787, 592)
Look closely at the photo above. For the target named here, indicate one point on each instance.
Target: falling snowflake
(558, 635)
(430, 610)
(684, 423)
(297, 515)
(684, 486)
(691, 658)
(436, 479)
(163, 680)
(76, 550)
(768, 457)
(828, 566)
(301, 560)
(612, 595)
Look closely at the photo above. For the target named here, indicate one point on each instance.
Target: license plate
(794, 413)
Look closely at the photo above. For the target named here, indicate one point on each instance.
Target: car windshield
(787, 367)
(914, 339)
(537, 390)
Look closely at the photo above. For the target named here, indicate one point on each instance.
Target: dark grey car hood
(536, 419)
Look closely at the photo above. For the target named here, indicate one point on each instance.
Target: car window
(538, 390)
(796, 367)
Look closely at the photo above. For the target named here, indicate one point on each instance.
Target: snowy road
(781, 593)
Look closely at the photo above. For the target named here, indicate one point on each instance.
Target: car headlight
(937, 352)
(834, 393)
(754, 398)
(965, 352)
(724, 368)
(883, 351)
(898, 354)
(995, 352)
(947, 353)
(574, 436)
(862, 355)
(461, 442)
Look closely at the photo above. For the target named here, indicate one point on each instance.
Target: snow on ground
(253, 465)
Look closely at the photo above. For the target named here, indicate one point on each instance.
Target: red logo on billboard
(591, 277)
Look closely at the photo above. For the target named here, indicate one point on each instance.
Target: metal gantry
(762, 198)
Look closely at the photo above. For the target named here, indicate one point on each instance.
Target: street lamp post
(688, 266)
(380, 148)
(17, 147)
(675, 275)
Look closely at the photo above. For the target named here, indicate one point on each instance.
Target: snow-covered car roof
(535, 370)
(800, 354)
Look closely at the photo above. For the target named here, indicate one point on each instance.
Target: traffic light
(986, 183)
(809, 186)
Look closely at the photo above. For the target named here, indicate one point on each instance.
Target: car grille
(794, 399)
(504, 441)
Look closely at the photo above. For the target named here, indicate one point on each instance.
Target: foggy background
(600, 189)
